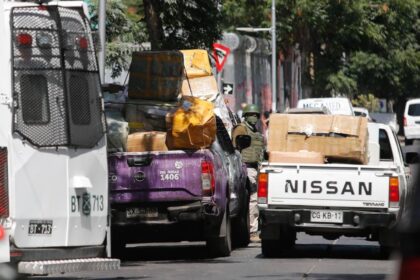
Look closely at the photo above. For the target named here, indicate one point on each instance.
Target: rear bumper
(40, 254)
(354, 222)
(191, 221)
(412, 132)
(167, 213)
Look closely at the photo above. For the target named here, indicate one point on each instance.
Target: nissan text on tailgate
(334, 199)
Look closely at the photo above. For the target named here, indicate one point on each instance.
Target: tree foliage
(121, 33)
(167, 24)
(179, 24)
(245, 13)
(368, 101)
(358, 46)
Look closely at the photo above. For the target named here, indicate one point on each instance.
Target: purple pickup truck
(191, 195)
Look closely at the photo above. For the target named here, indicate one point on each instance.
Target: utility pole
(102, 34)
(272, 31)
(273, 58)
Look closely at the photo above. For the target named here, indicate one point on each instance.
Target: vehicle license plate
(326, 216)
(142, 212)
(40, 227)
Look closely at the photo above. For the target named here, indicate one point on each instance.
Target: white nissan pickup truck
(332, 200)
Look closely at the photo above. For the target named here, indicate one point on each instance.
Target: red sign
(220, 53)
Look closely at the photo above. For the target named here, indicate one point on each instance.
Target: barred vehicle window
(34, 98)
(55, 78)
(79, 100)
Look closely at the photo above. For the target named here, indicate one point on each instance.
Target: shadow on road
(319, 276)
(338, 251)
(173, 253)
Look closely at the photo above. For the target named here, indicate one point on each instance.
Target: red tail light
(207, 177)
(394, 191)
(2, 232)
(4, 193)
(262, 188)
(82, 43)
(410, 269)
(405, 121)
(24, 40)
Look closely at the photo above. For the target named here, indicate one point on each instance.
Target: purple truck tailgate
(156, 176)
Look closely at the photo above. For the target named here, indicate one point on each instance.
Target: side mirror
(243, 142)
(412, 158)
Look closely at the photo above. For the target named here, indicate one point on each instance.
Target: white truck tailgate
(328, 186)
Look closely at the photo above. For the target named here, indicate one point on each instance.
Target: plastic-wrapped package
(193, 125)
(117, 131)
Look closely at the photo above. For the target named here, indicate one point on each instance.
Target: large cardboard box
(202, 87)
(196, 63)
(147, 141)
(339, 138)
(156, 75)
(296, 157)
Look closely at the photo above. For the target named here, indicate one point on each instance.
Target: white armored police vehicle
(53, 161)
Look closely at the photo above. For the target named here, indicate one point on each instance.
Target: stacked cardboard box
(338, 138)
(296, 157)
(147, 141)
(156, 75)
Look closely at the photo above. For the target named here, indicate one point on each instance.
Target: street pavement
(313, 258)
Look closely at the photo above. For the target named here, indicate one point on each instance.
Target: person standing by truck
(251, 155)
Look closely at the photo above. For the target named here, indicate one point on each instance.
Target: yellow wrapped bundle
(193, 125)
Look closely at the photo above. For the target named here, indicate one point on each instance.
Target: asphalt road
(312, 258)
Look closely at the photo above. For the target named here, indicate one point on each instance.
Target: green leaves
(359, 46)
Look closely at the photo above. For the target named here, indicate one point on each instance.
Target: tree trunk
(152, 10)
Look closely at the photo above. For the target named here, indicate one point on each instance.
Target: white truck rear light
(394, 192)
(405, 121)
(262, 188)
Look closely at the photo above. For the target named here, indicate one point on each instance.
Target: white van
(412, 121)
(336, 105)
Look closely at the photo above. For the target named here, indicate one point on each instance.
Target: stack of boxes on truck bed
(153, 89)
(171, 96)
(317, 139)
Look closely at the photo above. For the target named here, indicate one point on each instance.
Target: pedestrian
(251, 155)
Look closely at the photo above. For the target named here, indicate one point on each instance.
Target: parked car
(181, 195)
(411, 121)
(361, 112)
